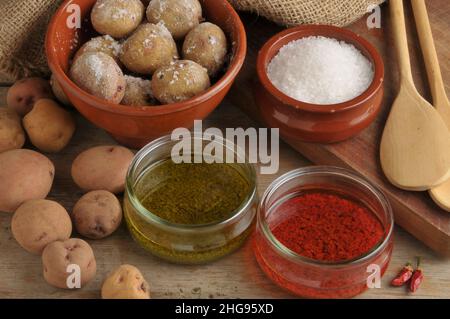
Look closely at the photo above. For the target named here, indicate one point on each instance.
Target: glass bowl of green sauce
(194, 211)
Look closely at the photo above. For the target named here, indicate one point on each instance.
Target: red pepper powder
(327, 227)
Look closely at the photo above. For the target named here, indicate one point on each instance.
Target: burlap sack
(23, 24)
(294, 12)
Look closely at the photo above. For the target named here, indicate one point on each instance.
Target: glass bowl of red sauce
(324, 232)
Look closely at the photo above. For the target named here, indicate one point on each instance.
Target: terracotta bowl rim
(317, 30)
(237, 61)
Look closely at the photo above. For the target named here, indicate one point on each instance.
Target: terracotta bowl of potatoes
(140, 69)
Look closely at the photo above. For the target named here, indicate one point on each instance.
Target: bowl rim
(317, 30)
(238, 51)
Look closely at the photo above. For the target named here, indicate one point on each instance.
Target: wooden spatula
(415, 147)
(440, 194)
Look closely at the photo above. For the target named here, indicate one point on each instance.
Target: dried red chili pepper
(403, 276)
(417, 277)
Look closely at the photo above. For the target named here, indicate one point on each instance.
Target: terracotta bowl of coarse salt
(136, 126)
(319, 83)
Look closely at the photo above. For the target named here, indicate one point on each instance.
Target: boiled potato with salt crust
(138, 92)
(37, 223)
(179, 81)
(104, 44)
(125, 282)
(148, 48)
(98, 74)
(24, 175)
(117, 18)
(58, 91)
(49, 126)
(58, 255)
(102, 168)
(24, 93)
(206, 44)
(12, 135)
(179, 16)
(97, 214)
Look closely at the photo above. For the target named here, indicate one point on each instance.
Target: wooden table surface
(235, 276)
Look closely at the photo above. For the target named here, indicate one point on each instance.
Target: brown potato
(138, 92)
(12, 135)
(148, 48)
(179, 16)
(58, 91)
(105, 44)
(125, 282)
(102, 168)
(49, 126)
(97, 214)
(59, 255)
(24, 175)
(24, 93)
(37, 223)
(117, 18)
(179, 81)
(206, 44)
(98, 74)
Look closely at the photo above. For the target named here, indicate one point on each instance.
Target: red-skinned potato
(125, 282)
(24, 175)
(102, 168)
(12, 135)
(24, 93)
(37, 223)
(59, 255)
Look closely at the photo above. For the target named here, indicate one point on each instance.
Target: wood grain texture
(235, 276)
(415, 212)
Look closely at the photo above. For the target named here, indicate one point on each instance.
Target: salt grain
(320, 70)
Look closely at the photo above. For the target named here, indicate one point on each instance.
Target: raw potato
(58, 255)
(49, 126)
(179, 81)
(125, 282)
(148, 48)
(12, 135)
(24, 93)
(98, 74)
(97, 214)
(58, 91)
(24, 175)
(179, 16)
(105, 44)
(117, 18)
(138, 92)
(102, 168)
(37, 223)
(206, 44)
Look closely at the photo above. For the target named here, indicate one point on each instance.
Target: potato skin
(148, 48)
(179, 81)
(138, 92)
(12, 135)
(97, 214)
(105, 44)
(98, 74)
(24, 93)
(102, 168)
(58, 255)
(179, 16)
(24, 175)
(49, 126)
(125, 282)
(206, 44)
(37, 223)
(58, 91)
(117, 18)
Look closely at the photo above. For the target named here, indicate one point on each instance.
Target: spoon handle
(429, 52)
(399, 30)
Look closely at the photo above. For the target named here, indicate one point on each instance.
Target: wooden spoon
(440, 194)
(415, 147)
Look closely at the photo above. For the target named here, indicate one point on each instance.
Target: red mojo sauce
(327, 227)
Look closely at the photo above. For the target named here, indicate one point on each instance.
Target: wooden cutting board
(414, 211)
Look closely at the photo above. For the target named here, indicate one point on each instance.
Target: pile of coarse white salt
(320, 70)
